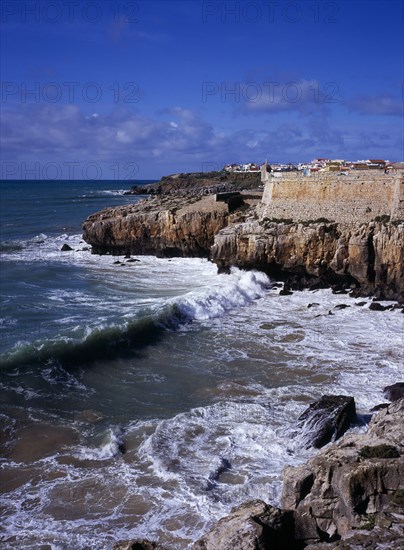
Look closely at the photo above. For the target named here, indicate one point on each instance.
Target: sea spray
(241, 289)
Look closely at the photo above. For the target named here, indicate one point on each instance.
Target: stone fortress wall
(358, 197)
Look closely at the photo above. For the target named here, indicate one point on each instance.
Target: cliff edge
(325, 229)
(162, 226)
(199, 183)
(367, 256)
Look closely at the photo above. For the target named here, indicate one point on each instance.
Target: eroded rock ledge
(367, 256)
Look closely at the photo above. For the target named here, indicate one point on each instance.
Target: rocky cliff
(367, 256)
(161, 226)
(356, 483)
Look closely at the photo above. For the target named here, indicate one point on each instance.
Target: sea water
(147, 398)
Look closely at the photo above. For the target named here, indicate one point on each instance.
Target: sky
(137, 90)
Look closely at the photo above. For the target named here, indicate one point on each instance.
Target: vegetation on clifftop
(200, 183)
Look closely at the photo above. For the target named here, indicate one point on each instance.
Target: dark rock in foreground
(251, 526)
(327, 419)
(137, 544)
(394, 392)
(285, 292)
(356, 483)
(379, 407)
(375, 306)
(377, 539)
(348, 497)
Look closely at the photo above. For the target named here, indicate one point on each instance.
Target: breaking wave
(111, 445)
(124, 340)
(104, 192)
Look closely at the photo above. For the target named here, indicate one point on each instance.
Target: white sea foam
(114, 192)
(110, 446)
(119, 312)
(8, 322)
(222, 452)
(56, 374)
(240, 289)
(105, 192)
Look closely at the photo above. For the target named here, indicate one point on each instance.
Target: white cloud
(64, 133)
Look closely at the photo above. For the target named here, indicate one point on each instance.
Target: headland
(324, 229)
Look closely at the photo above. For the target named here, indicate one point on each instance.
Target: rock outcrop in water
(326, 420)
(137, 544)
(394, 392)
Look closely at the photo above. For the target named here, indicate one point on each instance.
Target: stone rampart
(352, 198)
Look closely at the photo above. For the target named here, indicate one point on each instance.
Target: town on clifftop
(318, 165)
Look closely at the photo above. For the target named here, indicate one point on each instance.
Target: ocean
(145, 397)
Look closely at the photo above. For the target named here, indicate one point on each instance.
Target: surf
(122, 340)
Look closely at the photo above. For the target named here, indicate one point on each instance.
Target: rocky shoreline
(368, 258)
(185, 215)
(349, 496)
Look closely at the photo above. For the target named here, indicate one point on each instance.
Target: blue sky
(116, 89)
